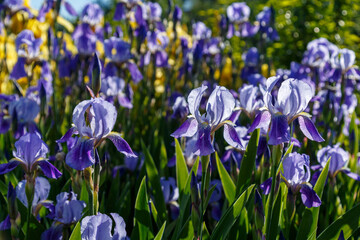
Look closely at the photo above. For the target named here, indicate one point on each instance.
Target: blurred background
(297, 21)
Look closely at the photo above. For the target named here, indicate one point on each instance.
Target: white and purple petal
(187, 129)
(309, 130)
(121, 145)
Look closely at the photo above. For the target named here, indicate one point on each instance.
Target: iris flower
(219, 108)
(30, 153)
(296, 175)
(292, 99)
(338, 162)
(93, 120)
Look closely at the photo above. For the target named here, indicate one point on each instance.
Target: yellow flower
(226, 74)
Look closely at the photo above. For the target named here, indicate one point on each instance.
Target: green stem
(276, 155)
(96, 181)
(204, 188)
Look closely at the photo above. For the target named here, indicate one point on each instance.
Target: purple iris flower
(250, 99)
(92, 14)
(23, 111)
(318, 52)
(296, 175)
(180, 108)
(31, 152)
(338, 162)
(292, 99)
(68, 209)
(171, 195)
(13, 5)
(219, 108)
(343, 59)
(27, 45)
(200, 31)
(100, 227)
(153, 11)
(85, 39)
(116, 87)
(157, 42)
(42, 190)
(94, 120)
(52, 4)
(265, 18)
(119, 52)
(28, 50)
(238, 12)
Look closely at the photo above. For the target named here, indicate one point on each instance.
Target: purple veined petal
(8, 167)
(309, 130)
(120, 13)
(262, 120)
(203, 145)
(231, 136)
(187, 129)
(119, 230)
(81, 155)
(6, 224)
(309, 197)
(266, 186)
(67, 135)
(194, 100)
(49, 170)
(279, 132)
(19, 69)
(351, 174)
(134, 72)
(70, 9)
(121, 145)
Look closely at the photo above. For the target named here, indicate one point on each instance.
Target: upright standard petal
(220, 105)
(30, 148)
(81, 155)
(309, 130)
(194, 100)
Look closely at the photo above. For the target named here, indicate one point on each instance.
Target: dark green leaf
(143, 227)
(76, 233)
(232, 213)
(154, 180)
(248, 163)
(227, 183)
